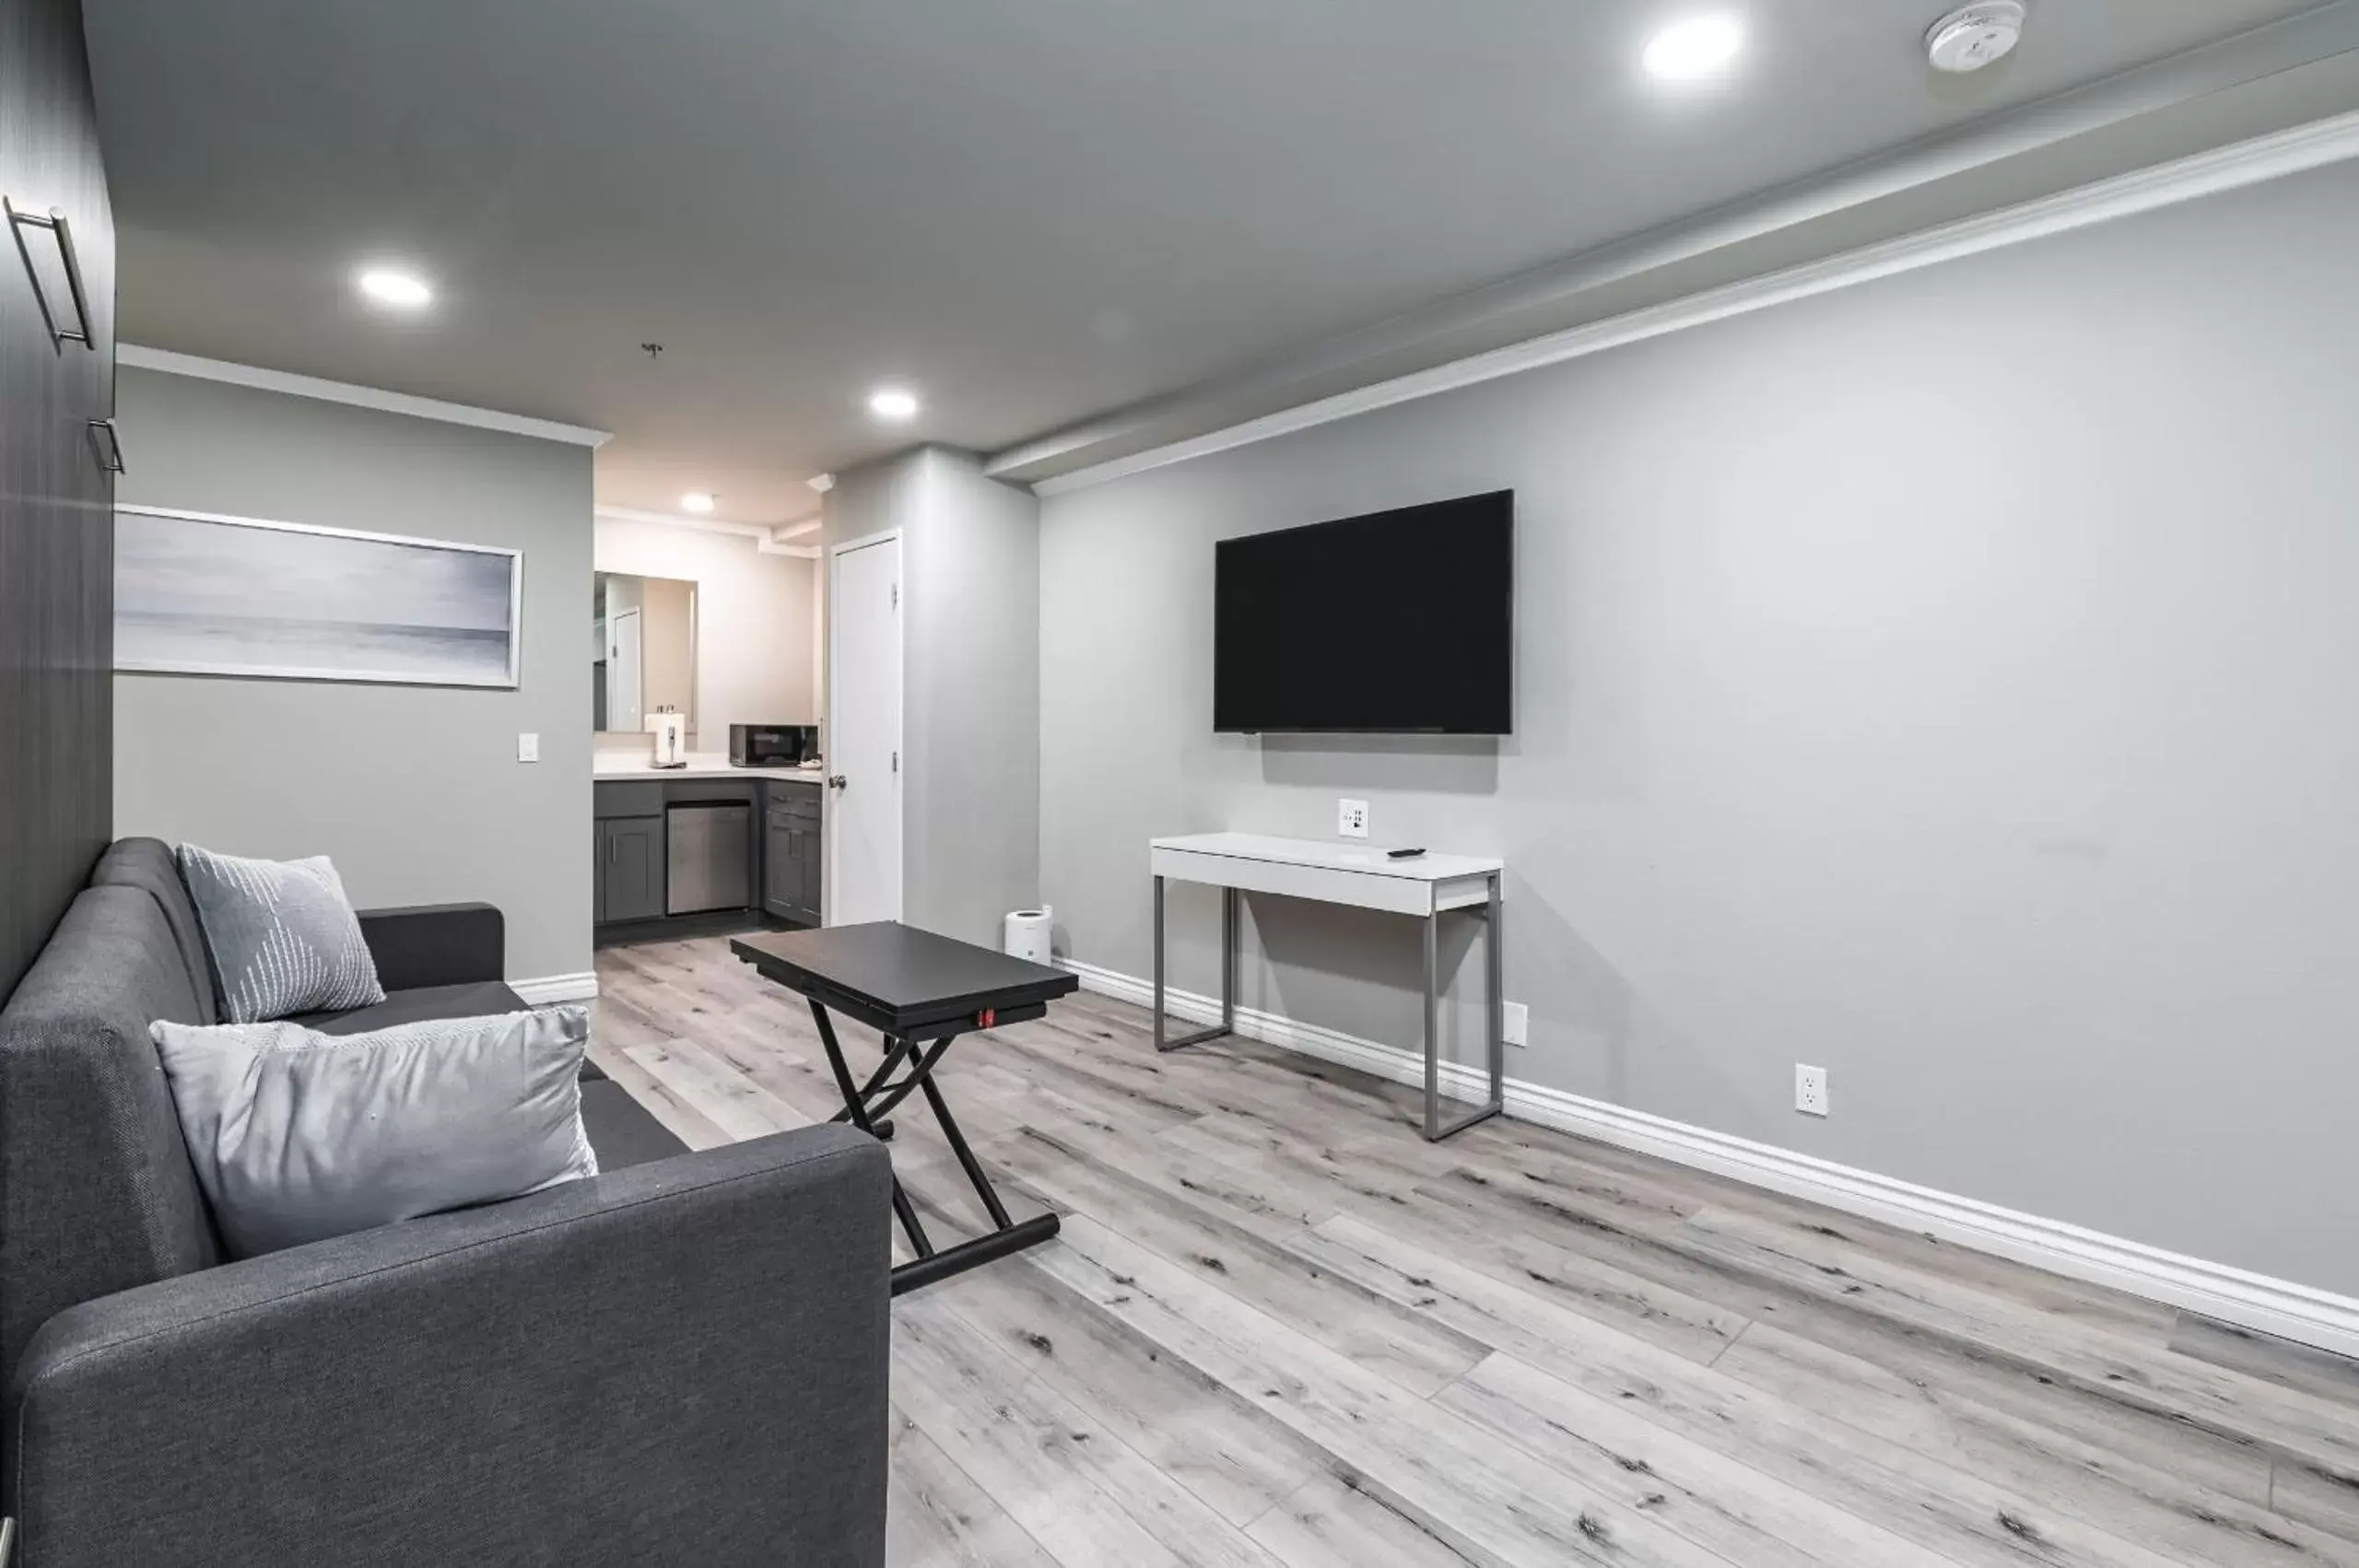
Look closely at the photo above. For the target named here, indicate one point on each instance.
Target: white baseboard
(2233, 1295)
(557, 988)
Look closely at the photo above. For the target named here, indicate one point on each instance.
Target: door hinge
(897, 761)
(897, 596)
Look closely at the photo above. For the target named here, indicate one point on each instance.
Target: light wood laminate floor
(1280, 1328)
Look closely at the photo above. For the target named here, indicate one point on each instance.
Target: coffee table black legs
(862, 1106)
(966, 1161)
(989, 1248)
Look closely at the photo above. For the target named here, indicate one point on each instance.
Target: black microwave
(773, 745)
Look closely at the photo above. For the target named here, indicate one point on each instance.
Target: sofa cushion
(95, 1191)
(621, 1129)
(283, 935)
(146, 863)
(480, 999)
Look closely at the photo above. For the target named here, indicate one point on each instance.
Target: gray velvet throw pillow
(282, 934)
(296, 1135)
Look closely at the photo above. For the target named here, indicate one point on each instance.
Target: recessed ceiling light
(893, 402)
(696, 501)
(389, 288)
(1698, 48)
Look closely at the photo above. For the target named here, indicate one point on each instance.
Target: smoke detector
(1974, 36)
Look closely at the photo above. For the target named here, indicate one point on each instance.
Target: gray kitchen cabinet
(630, 868)
(791, 854)
(635, 843)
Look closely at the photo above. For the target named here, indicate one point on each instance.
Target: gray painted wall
(415, 791)
(970, 585)
(1947, 682)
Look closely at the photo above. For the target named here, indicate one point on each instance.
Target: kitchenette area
(696, 828)
(708, 837)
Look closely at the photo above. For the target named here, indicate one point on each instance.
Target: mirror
(644, 650)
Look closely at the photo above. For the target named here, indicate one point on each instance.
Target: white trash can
(1024, 934)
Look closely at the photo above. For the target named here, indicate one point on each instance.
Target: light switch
(528, 747)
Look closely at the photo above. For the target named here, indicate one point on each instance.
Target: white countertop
(608, 767)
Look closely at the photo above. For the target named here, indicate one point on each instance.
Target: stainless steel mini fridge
(710, 848)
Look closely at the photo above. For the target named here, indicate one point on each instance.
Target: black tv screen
(1400, 622)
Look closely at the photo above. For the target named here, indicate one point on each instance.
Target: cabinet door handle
(55, 223)
(106, 445)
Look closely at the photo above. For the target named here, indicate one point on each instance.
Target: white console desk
(1424, 887)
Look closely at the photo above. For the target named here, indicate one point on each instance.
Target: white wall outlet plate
(528, 747)
(1810, 1089)
(1515, 1022)
(1351, 818)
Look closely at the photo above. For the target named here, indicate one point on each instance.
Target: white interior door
(864, 733)
(622, 670)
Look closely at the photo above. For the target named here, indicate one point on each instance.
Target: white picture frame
(203, 593)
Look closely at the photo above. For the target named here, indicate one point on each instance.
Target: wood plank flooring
(1279, 1329)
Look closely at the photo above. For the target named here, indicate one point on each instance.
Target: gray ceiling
(1036, 211)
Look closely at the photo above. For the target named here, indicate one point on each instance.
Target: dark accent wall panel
(56, 523)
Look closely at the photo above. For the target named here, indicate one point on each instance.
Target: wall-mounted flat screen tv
(1397, 623)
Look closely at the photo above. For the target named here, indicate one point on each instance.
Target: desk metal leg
(1494, 959)
(1229, 942)
(1432, 934)
(1495, 965)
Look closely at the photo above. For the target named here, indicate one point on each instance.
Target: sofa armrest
(683, 1362)
(436, 945)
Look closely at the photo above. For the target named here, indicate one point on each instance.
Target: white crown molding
(769, 539)
(2273, 54)
(557, 988)
(2233, 1295)
(172, 364)
(2233, 167)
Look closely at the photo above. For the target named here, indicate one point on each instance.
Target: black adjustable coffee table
(921, 991)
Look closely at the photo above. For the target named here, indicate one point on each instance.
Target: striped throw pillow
(283, 937)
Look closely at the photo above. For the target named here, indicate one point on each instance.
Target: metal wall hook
(55, 223)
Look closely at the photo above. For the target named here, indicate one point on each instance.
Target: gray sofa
(679, 1361)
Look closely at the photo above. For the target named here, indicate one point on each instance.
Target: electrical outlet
(1351, 818)
(1810, 1089)
(528, 747)
(1515, 1022)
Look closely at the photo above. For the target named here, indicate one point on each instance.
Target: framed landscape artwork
(199, 594)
